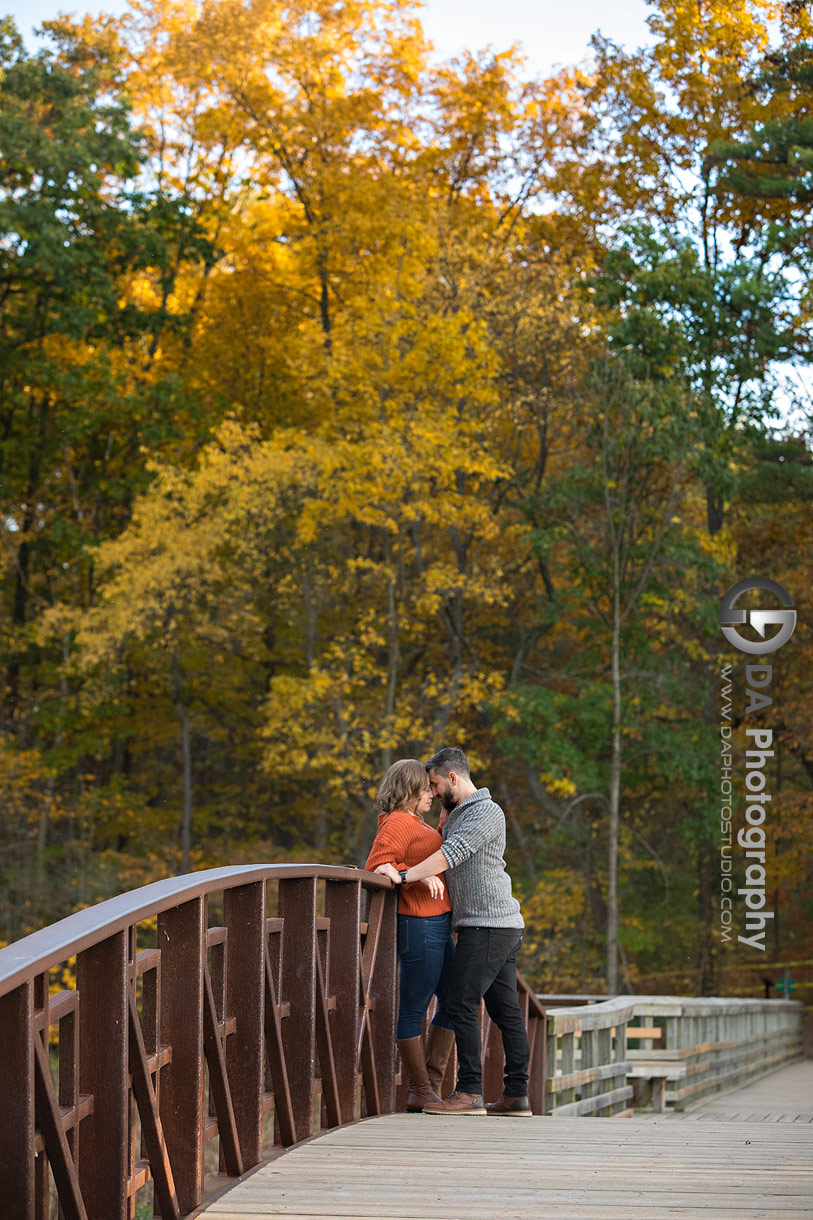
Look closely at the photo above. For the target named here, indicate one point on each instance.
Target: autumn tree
(83, 390)
(387, 380)
(78, 400)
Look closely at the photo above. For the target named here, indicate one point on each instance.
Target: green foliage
(777, 162)
(82, 388)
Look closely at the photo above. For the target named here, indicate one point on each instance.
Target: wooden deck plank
(782, 1096)
(408, 1167)
(632, 1212)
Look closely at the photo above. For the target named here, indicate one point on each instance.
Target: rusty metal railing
(216, 1005)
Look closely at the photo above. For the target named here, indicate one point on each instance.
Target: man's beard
(449, 801)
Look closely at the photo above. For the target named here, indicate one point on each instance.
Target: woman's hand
(386, 870)
(435, 885)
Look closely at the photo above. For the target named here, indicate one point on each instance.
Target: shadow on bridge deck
(412, 1167)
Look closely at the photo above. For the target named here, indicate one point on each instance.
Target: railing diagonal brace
(367, 969)
(330, 1085)
(371, 941)
(160, 1168)
(53, 1135)
(283, 1106)
(219, 1082)
(368, 1072)
(365, 1051)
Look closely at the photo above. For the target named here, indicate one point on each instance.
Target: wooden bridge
(397, 1168)
(225, 1047)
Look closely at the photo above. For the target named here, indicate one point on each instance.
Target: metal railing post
(297, 906)
(17, 1107)
(244, 916)
(102, 982)
(182, 945)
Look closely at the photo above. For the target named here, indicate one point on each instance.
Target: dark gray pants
(485, 967)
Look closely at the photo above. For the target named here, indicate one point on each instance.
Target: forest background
(353, 403)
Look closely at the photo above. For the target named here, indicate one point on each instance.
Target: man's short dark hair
(450, 758)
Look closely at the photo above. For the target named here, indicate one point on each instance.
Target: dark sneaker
(457, 1103)
(520, 1107)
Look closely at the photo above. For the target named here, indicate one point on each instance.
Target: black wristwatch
(402, 874)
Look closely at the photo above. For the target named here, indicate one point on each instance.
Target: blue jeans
(426, 953)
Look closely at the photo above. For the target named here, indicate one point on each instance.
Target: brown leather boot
(518, 1107)
(439, 1043)
(458, 1103)
(414, 1064)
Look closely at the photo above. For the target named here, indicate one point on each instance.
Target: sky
(452, 25)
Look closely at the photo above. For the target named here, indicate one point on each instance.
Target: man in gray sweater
(489, 926)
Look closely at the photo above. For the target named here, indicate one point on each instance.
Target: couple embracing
(464, 854)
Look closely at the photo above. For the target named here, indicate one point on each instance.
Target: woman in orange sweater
(425, 944)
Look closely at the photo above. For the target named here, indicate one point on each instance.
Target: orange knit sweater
(402, 841)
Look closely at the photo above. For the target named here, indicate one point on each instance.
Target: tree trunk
(393, 661)
(706, 877)
(527, 854)
(715, 510)
(615, 793)
(38, 415)
(182, 712)
(186, 822)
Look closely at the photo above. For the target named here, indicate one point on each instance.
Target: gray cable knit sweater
(479, 886)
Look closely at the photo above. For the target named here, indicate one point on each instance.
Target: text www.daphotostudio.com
(752, 782)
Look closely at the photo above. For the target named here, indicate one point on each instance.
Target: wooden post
(658, 1093)
(551, 1056)
(537, 1075)
(568, 1065)
(589, 1059)
(671, 1033)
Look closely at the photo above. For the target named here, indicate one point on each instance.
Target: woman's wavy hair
(405, 781)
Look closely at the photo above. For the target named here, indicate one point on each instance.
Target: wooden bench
(654, 1075)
